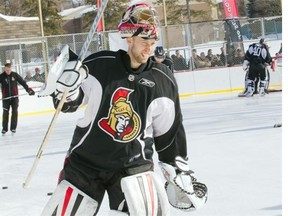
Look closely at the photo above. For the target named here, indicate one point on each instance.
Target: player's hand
(30, 91)
(73, 75)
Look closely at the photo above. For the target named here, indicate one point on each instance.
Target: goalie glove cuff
(183, 190)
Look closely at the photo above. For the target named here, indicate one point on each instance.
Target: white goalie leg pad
(145, 195)
(182, 189)
(250, 88)
(69, 200)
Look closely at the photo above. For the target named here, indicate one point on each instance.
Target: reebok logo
(146, 82)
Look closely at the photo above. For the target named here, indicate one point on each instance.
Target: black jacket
(167, 61)
(9, 84)
(128, 112)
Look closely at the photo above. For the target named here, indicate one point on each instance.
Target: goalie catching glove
(73, 75)
(183, 190)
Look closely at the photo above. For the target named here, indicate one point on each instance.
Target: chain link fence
(187, 40)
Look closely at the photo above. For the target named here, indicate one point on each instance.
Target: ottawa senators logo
(122, 122)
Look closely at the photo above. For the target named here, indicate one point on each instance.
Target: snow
(17, 18)
(77, 11)
(232, 146)
(74, 12)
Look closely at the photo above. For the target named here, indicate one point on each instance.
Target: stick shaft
(19, 95)
(92, 31)
(7, 98)
(45, 140)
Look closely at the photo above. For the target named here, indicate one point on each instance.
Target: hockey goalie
(133, 109)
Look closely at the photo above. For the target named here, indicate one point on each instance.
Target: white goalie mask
(139, 20)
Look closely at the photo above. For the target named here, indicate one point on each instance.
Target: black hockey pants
(13, 103)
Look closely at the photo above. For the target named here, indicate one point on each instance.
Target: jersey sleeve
(169, 133)
(173, 142)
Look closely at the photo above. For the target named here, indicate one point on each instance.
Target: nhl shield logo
(122, 122)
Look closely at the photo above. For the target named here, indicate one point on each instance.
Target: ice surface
(232, 146)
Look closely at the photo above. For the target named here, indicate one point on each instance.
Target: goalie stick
(57, 65)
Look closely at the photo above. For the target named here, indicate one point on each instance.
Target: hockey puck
(277, 125)
(49, 194)
(5, 187)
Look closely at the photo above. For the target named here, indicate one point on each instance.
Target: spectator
(9, 84)
(239, 57)
(28, 76)
(231, 55)
(173, 56)
(179, 61)
(209, 54)
(38, 76)
(223, 57)
(192, 63)
(203, 57)
(216, 61)
(160, 57)
(198, 61)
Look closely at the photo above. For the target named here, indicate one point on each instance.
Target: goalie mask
(139, 20)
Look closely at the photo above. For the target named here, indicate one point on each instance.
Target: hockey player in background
(257, 58)
(9, 81)
(160, 57)
(132, 105)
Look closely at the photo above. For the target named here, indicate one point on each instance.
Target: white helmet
(139, 20)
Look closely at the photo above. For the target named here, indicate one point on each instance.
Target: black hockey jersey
(128, 111)
(258, 54)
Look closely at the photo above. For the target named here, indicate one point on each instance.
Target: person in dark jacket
(9, 84)
(179, 62)
(160, 57)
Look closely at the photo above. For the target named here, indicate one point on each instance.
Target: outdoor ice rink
(232, 145)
